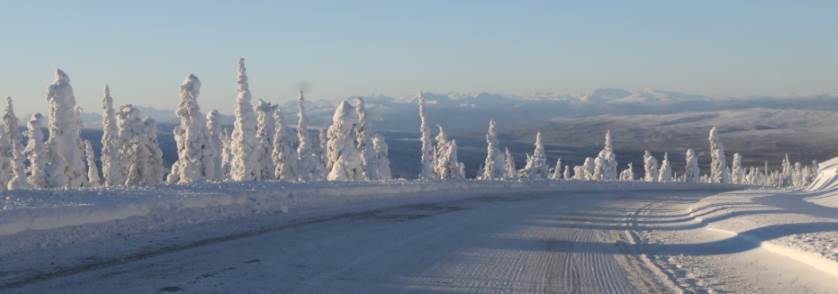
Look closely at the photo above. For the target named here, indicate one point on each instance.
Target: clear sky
(144, 49)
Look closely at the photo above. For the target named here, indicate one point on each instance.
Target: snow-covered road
(614, 242)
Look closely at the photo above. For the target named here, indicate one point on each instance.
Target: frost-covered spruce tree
(310, 165)
(556, 173)
(589, 168)
(244, 165)
(627, 174)
(382, 151)
(323, 139)
(510, 172)
(193, 164)
(18, 180)
(536, 167)
(579, 172)
(566, 174)
(427, 169)
(65, 165)
(691, 173)
(450, 165)
(363, 138)
(718, 164)
(440, 163)
(93, 179)
(607, 168)
(344, 158)
(9, 144)
(139, 148)
(492, 165)
(283, 156)
(36, 152)
(215, 146)
(264, 135)
(226, 153)
(112, 165)
(650, 167)
(786, 172)
(737, 174)
(665, 173)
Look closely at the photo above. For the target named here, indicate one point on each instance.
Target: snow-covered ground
(473, 237)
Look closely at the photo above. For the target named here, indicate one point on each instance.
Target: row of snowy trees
(261, 147)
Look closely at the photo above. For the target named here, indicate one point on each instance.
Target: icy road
(615, 242)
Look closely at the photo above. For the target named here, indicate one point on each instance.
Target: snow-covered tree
(18, 170)
(93, 179)
(556, 173)
(310, 166)
(344, 158)
(786, 172)
(450, 166)
(718, 165)
(737, 175)
(579, 172)
(284, 156)
(112, 165)
(566, 174)
(381, 150)
(264, 135)
(691, 173)
(627, 174)
(65, 165)
(36, 152)
(193, 164)
(215, 147)
(226, 153)
(441, 164)
(589, 168)
(536, 167)
(9, 145)
(321, 155)
(492, 165)
(363, 141)
(665, 173)
(244, 165)
(510, 172)
(427, 169)
(142, 157)
(607, 168)
(650, 167)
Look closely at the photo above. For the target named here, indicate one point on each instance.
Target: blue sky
(144, 49)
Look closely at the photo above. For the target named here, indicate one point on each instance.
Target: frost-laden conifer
(264, 135)
(344, 158)
(193, 164)
(244, 165)
(492, 165)
(786, 172)
(323, 140)
(566, 174)
(309, 166)
(556, 173)
(579, 172)
(9, 145)
(665, 173)
(36, 152)
(65, 163)
(627, 174)
(650, 167)
(18, 170)
(112, 165)
(737, 173)
(382, 151)
(143, 159)
(447, 163)
(589, 168)
(93, 179)
(719, 172)
(215, 146)
(536, 167)
(226, 153)
(607, 168)
(691, 173)
(283, 156)
(510, 172)
(363, 141)
(427, 169)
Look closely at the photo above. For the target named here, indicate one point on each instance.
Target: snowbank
(826, 185)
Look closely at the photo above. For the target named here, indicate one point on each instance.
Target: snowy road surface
(615, 242)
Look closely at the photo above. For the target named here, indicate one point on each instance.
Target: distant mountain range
(470, 112)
